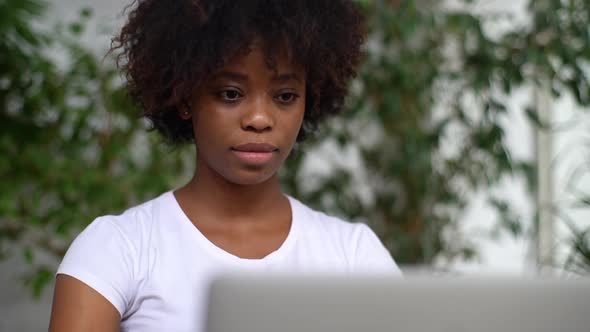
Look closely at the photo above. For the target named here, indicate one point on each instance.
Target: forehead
(276, 59)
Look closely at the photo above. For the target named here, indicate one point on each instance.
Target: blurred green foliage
(426, 118)
(577, 200)
(72, 145)
(432, 96)
(578, 259)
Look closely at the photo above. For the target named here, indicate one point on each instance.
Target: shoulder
(134, 223)
(124, 230)
(139, 215)
(357, 241)
(325, 225)
(106, 255)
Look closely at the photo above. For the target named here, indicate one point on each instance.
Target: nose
(259, 115)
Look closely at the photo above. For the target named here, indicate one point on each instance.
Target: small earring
(187, 107)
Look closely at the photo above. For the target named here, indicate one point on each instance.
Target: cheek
(206, 135)
(207, 124)
(297, 119)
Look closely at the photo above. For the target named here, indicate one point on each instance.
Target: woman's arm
(77, 307)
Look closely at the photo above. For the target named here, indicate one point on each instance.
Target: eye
(287, 97)
(230, 95)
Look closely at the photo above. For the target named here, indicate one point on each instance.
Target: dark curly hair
(169, 47)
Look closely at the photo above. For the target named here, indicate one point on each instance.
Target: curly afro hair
(169, 47)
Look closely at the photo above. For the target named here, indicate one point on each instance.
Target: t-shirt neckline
(229, 257)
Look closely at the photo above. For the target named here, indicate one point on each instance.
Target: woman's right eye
(230, 95)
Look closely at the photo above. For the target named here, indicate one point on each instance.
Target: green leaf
(86, 12)
(76, 28)
(533, 116)
(28, 255)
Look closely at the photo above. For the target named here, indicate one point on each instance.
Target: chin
(250, 177)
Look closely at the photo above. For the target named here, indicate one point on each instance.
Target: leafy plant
(577, 242)
(579, 259)
(427, 118)
(72, 144)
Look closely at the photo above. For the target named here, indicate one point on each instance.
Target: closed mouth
(255, 147)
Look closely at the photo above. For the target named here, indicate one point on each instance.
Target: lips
(255, 147)
(255, 153)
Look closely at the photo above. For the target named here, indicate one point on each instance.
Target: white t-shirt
(155, 266)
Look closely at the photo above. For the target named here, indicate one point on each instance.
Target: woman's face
(246, 117)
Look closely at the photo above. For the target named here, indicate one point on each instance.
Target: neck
(210, 192)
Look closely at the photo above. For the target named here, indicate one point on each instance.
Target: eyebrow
(242, 77)
(230, 75)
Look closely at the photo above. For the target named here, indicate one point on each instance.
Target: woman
(243, 81)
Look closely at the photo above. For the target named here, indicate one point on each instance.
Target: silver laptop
(370, 304)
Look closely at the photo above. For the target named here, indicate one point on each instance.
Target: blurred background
(465, 145)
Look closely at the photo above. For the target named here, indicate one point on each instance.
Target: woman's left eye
(287, 97)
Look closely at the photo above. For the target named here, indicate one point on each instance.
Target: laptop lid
(337, 304)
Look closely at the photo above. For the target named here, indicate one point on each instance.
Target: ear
(185, 110)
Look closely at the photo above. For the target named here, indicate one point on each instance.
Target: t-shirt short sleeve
(371, 256)
(103, 258)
